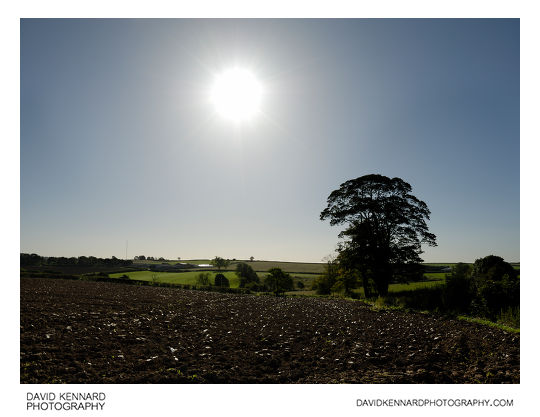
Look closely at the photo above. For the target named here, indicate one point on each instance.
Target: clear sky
(119, 141)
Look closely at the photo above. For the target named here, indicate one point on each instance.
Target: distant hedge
(105, 278)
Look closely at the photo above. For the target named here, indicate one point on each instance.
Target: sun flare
(236, 94)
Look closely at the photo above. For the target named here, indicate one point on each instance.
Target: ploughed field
(94, 332)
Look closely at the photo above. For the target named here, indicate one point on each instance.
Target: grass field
(188, 277)
(264, 266)
(307, 278)
(395, 288)
(258, 266)
(435, 276)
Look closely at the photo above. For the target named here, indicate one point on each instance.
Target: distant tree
(203, 279)
(278, 281)
(161, 259)
(497, 284)
(141, 258)
(221, 280)
(251, 258)
(30, 259)
(219, 262)
(492, 268)
(386, 226)
(300, 285)
(324, 283)
(246, 274)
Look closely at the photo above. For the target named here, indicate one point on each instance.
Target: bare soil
(96, 332)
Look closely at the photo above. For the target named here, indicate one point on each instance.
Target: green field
(258, 266)
(291, 267)
(395, 288)
(304, 272)
(435, 276)
(264, 266)
(188, 277)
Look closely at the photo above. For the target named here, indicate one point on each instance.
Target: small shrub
(255, 287)
(429, 298)
(509, 317)
(300, 285)
(221, 280)
(203, 279)
(338, 287)
(323, 284)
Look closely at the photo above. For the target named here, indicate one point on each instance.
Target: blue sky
(119, 142)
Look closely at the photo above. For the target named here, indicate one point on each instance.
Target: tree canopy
(246, 274)
(386, 226)
(219, 262)
(278, 281)
(221, 280)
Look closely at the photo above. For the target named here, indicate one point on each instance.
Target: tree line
(276, 281)
(32, 259)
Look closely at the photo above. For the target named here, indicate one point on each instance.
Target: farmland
(185, 278)
(258, 266)
(297, 271)
(95, 332)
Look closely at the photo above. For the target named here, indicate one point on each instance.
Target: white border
(258, 399)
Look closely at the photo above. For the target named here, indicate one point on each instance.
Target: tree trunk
(367, 286)
(381, 283)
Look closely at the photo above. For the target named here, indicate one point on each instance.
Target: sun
(236, 94)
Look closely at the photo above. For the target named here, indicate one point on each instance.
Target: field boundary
(141, 283)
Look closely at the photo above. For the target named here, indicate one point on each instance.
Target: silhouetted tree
(246, 274)
(221, 280)
(386, 226)
(278, 281)
(497, 285)
(219, 262)
(30, 259)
